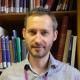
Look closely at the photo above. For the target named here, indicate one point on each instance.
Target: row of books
(11, 51)
(22, 6)
(64, 48)
(70, 48)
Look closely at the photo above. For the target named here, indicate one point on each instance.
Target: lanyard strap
(26, 75)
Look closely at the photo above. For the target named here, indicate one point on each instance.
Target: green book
(18, 48)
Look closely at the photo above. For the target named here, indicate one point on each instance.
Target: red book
(62, 38)
(37, 3)
(49, 4)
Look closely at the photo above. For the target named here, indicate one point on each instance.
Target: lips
(40, 46)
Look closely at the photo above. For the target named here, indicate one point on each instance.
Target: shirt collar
(53, 63)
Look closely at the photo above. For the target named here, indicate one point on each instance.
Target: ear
(55, 35)
(23, 32)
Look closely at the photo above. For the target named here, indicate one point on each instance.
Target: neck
(39, 64)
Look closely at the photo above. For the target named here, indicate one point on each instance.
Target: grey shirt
(56, 71)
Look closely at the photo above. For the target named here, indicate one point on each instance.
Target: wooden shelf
(20, 16)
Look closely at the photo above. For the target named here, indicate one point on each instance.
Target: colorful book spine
(11, 51)
(14, 32)
(23, 50)
(18, 49)
(70, 50)
(73, 50)
(1, 66)
(14, 49)
(3, 51)
(21, 5)
(49, 4)
(17, 5)
(62, 37)
(8, 59)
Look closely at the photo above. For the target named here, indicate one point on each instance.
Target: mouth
(38, 46)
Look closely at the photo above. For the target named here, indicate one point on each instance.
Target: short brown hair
(41, 12)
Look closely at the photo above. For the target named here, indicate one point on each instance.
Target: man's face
(39, 35)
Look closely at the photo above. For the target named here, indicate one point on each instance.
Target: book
(6, 6)
(49, 4)
(3, 52)
(70, 50)
(23, 50)
(65, 5)
(17, 5)
(18, 48)
(59, 5)
(70, 7)
(73, 51)
(0, 6)
(11, 51)
(9, 6)
(1, 66)
(37, 3)
(26, 6)
(31, 5)
(21, 5)
(2, 31)
(65, 56)
(13, 6)
(14, 49)
(3, 6)
(8, 59)
(62, 38)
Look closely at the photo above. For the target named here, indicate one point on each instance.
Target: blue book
(14, 49)
(14, 33)
(24, 50)
(3, 51)
(21, 5)
(8, 60)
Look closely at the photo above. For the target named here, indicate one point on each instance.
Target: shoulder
(14, 70)
(69, 70)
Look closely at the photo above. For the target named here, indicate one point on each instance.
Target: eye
(44, 33)
(32, 32)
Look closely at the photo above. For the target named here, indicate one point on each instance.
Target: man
(39, 33)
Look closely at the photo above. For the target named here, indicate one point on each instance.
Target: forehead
(43, 20)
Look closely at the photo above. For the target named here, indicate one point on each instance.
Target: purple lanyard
(26, 75)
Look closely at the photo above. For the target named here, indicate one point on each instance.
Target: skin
(39, 37)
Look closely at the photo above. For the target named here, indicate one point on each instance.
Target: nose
(38, 38)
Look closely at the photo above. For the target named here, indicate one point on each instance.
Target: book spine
(14, 49)
(31, 5)
(24, 50)
(9, 6)
(49, 4)
(21, 5)
(70, 50)
(14, 33)
(0, 6)
(18, 49)
(73, 50)
(11, 51)
(3, 51)
(65, 56)
(1, 66)
(62, 38)
(37, 3)
(6, 6)
(17, 6)
(8, 59)
(3, 6)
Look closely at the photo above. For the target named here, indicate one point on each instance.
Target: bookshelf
(11, 19)
(78, 34)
